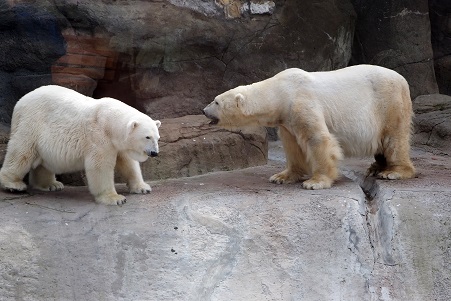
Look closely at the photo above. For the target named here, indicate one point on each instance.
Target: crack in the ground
(379, 224)
(218, 270)
(379, 218)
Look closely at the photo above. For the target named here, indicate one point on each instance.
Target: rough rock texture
(170, 58)
(235, 236)
(432, 122)
(396, 34)
(440, 15)
(30, 42)
(189, 146)
(177, 65)
(87, 60)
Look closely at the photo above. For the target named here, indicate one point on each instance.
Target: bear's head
(142, 138)
(231, 109)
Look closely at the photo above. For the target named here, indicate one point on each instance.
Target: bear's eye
(216, 102)
(148, 137)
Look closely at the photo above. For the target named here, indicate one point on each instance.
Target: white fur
(356, 111)
(56, 130)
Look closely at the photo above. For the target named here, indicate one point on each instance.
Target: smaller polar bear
(56, 130)
(361, 110)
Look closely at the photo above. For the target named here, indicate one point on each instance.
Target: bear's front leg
(100, 176)
(131, 171)
(295, 160)
(325, 155)
(323, 152)
(11, 182)
(110, 199)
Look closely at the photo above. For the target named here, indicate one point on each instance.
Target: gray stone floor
(235, 236)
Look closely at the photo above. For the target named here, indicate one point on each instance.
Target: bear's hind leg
(100, 175)
(399, 165)
(377, 166)
(18, 161)
(131, 170)
(295, 160)
(43, 179)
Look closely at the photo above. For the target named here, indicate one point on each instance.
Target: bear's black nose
(203, 112)
(153, 154)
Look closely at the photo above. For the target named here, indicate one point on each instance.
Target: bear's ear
(131, 126)
(243, 104)
(157, 123)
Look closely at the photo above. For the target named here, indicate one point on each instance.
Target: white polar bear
(361, 110)
(56, 130)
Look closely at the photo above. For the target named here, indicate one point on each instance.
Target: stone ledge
(189, 146)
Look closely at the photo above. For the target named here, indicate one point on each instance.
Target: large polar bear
(361, 110)
(56, 130)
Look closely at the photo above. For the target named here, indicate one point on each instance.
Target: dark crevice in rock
(379, 218)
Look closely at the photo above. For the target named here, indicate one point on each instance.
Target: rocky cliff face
(169, 58)
(396, 34)
(31, 42)
(440, 14)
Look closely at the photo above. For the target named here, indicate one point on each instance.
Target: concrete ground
(235, 236)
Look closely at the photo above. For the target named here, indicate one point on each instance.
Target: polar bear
(362, 110)
(56, 130)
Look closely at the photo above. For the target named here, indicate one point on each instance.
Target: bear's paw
(397, 172)
(14, 186)
(54, 186)
(140, 188)
(388, 175)
(285, 177)
(314, 184)
(111, 199)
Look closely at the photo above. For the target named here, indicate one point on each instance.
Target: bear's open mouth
(214, 121)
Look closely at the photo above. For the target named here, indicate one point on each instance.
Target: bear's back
(52, 95)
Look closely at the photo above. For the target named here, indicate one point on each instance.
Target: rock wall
(396, 34)
(31, 41)
(186, 53)
(169, 58)
(440, 14)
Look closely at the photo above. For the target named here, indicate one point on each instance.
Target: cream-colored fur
(361, 110)
(56, 130)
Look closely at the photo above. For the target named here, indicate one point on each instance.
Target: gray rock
(235, 236)
(440, 15)
(432, 122)
(31, 42)
(170, 58)
(443, 73)
(384, 37)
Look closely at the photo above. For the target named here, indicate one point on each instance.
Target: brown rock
(189, 146)
(87, 60)
(78, 82)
